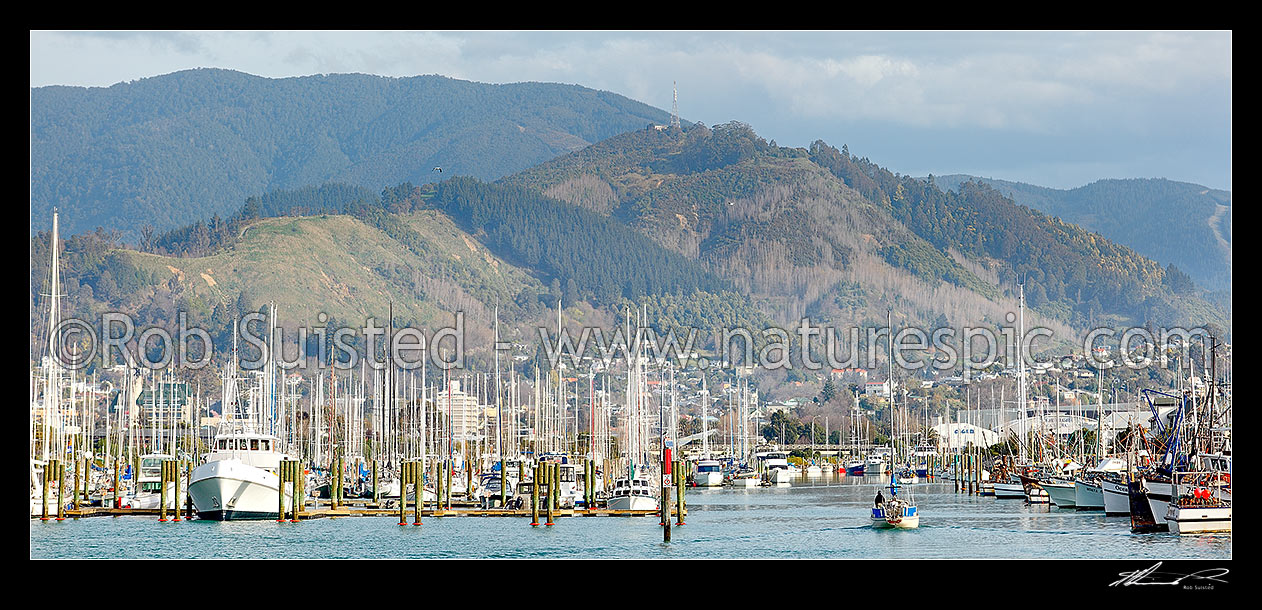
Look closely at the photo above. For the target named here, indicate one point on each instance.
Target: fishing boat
(1060, 490)
(148, 491)
(1142, 519)
(1089, 488)
(1009, 489)
(875, 464)
(1034, 491)
(1116, 497)
(1195, 508)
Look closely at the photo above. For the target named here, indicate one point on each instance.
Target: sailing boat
(894, 512)
(633, 491)
(709, 471)
(855, 466)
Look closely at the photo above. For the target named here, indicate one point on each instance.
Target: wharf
(368, 510)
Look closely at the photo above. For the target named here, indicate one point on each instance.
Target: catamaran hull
(227, 490)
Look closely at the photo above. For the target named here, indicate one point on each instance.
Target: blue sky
(1058, 109)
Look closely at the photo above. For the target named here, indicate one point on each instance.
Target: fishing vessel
(1060, 491)
(855, 468)
(1089, 488)
(1008, 489)
(238, 479)
(1116, 497)
(875, 464)
(1195, 508)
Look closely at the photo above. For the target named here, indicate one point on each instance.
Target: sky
(1052, 108)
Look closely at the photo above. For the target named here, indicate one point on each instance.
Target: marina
(823, 521)
(313, 313)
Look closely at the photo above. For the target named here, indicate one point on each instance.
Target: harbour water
(823, 518)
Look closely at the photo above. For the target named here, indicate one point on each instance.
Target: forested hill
(1178, 223)
(826, 233)
(169, 150)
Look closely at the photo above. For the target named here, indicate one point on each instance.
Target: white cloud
(1022, 82)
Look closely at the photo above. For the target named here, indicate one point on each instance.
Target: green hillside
(822, 232)
(333, 264)
(1187, 225)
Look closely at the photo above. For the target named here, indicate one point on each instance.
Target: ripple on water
(821, 521)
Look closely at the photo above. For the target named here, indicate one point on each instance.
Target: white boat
(1158, 495)
(776, 468)
(745, 478)
(1198, 519)
(709, 473)
(238, 480)
(567, 484)
(1060, 491)
(875, 465)
(1116, 496)
(814, 471)
(1009, 490)
(149, 484)
(1088, 494)
(1195, 507)
(895, 513)
(633, 494)
(1089, 490)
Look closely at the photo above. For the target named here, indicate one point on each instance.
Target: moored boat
(709, 473)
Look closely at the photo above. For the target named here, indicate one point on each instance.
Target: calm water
(827, 519)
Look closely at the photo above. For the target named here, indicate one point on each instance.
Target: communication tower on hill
(674, 114)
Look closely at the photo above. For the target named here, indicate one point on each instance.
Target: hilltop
(820, 232)
(169, 150)
(1178, 223)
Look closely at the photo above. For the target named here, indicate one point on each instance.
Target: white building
(958, 436)
(463, 409)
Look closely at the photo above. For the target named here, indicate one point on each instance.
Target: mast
(705, 430)
(1021, 375)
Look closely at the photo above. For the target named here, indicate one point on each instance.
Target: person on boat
(880, 499)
